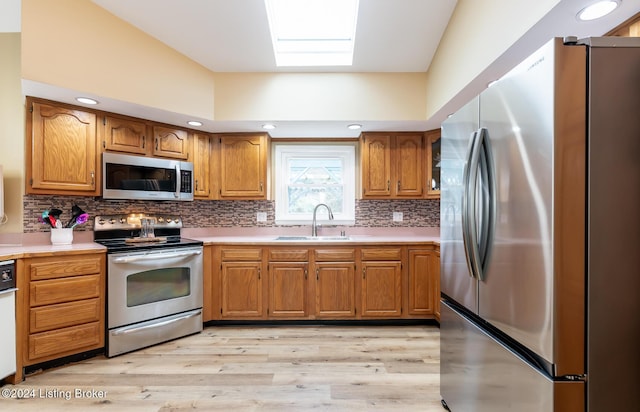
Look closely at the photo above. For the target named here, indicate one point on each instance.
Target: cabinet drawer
(288, 255)
(58, 268)
(382, 254)
(229, 255)
(65, 341)
(47, 292)
(333, 255)
(63, 315)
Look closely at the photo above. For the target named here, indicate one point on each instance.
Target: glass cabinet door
(433, 166)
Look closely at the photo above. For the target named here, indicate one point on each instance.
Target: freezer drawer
(477, 373)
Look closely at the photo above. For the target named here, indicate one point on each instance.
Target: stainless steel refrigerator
(540, 235)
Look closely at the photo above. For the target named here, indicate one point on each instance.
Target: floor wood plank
(251, 368)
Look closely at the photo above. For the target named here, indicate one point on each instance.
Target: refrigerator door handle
(487, 212)
(474, 206)
(468, 205)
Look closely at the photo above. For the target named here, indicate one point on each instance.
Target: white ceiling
(392, 36)
(233, 36)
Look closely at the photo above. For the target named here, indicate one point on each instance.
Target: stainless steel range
(154, 280)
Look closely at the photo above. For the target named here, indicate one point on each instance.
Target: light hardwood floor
(249, 368)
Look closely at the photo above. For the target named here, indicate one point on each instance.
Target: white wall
(477, 34)
(320, 96)
(77, 45)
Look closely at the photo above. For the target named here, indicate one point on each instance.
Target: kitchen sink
(313, 238)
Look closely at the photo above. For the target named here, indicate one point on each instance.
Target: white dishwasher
(7, 318)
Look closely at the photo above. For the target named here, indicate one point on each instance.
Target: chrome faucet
(314, 225)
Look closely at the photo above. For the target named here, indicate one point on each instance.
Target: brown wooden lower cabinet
(314, 282)
(241, 283)
(423, 281)
(381, 282)
(381, 289)
(288, 290)
(74, 338)
(242, 290)
(334, 287)
(62, 315)
(60, 307)
(335, 292)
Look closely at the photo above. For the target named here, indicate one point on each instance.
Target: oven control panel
(132, 221)
(7, 275)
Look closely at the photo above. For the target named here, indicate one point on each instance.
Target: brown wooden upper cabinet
(243, 166)
(433, 168)
(61, 148)
(393, 165)
(140, 137)
(170, 142)
(126, 135)
(204, 156)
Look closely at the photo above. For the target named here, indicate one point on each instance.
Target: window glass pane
(315, 171)
(304, 199)
(157, 285)
(307, 175)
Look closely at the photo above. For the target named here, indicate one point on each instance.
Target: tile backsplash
(226, 213)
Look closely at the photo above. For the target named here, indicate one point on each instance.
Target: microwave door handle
(178, 181)
(129, 259)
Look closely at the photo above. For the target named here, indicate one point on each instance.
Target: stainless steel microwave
(145, 178)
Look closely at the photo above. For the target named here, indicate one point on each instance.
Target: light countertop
(351, 240)
(24, 245)
(268, 236)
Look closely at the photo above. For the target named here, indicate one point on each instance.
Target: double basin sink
(313, 238)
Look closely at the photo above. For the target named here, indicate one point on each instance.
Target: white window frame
(283, 151)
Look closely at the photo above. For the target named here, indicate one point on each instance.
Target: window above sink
(309, 174)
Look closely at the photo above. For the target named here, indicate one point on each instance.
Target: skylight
(312, 32)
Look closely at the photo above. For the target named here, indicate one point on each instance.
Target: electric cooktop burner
(123, 232)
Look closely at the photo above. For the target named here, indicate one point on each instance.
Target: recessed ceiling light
(598, 9)
(354, 126)
(194, 123)
(268, 126)
(86, 100)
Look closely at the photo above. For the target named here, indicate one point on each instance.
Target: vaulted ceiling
(233, 36)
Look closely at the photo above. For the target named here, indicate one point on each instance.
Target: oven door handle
(156, 256)
(134, 328)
